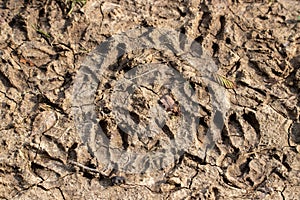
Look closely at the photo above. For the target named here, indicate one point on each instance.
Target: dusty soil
(255, 44)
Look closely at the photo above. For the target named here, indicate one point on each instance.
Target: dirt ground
(254, 44)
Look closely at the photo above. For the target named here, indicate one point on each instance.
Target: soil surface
(256, 154)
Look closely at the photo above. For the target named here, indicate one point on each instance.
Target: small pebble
(43, 122)
(117, 180)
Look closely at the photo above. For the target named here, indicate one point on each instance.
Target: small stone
(43, 122)
(118, 180)
(298, 148)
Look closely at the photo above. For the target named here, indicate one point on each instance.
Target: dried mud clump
(256, 154)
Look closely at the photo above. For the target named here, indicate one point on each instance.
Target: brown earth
(254, 44)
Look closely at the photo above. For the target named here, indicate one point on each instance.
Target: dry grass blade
(222, 80)
(73, 3)
(42, 32)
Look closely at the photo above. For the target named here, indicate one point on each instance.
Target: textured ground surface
(256, 45)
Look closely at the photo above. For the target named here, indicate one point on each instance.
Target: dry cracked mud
(256, 48)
